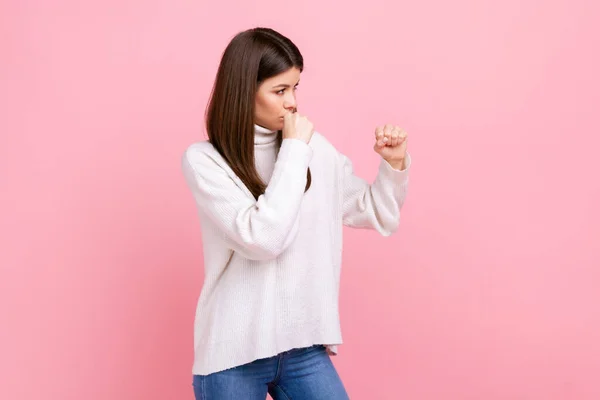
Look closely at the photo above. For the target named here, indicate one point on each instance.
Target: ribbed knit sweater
(272, 266)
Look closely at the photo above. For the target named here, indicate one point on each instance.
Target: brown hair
(251, 57)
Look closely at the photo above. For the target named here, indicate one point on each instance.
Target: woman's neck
(264, 135)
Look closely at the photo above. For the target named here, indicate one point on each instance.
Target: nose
(289, 102)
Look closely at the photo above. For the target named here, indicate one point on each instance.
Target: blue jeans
(297, 374)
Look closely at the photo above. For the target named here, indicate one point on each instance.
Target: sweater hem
(224, 356)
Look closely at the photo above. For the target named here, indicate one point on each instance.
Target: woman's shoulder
(320, 142)
(321, 145)
(200, 147)
(202, 154)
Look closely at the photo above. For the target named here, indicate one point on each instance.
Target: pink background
(490, 290)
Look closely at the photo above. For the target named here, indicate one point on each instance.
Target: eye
(283, 90)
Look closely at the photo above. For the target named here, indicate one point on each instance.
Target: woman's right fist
(296, 126)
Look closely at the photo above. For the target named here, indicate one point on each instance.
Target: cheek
(270, 100)
(269, 104)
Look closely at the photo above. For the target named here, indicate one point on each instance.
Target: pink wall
(490, 289)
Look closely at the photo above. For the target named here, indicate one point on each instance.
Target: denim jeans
(297, 374)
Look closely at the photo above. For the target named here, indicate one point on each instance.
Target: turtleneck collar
(263, 135)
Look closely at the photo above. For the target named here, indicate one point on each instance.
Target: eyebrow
(285, 85)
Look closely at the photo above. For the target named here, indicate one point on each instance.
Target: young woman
(272, 197)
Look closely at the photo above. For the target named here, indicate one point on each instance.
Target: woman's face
(275, 96)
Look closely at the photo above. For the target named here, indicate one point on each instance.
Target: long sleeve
(377, 205)
(257, 229)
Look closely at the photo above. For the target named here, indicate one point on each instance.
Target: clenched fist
(296, 126)
(390, 143)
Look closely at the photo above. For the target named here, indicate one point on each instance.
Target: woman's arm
(258, 229)
(377, 205)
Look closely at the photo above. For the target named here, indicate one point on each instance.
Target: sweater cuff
(295, 152)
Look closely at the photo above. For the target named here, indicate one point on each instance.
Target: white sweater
(272, 265)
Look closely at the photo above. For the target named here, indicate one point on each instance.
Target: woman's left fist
(390, 143)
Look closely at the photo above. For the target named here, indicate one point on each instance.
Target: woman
(272, 197)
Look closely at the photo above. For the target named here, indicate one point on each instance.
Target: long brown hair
(251, 57)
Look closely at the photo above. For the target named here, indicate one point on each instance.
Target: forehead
(289, 77)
